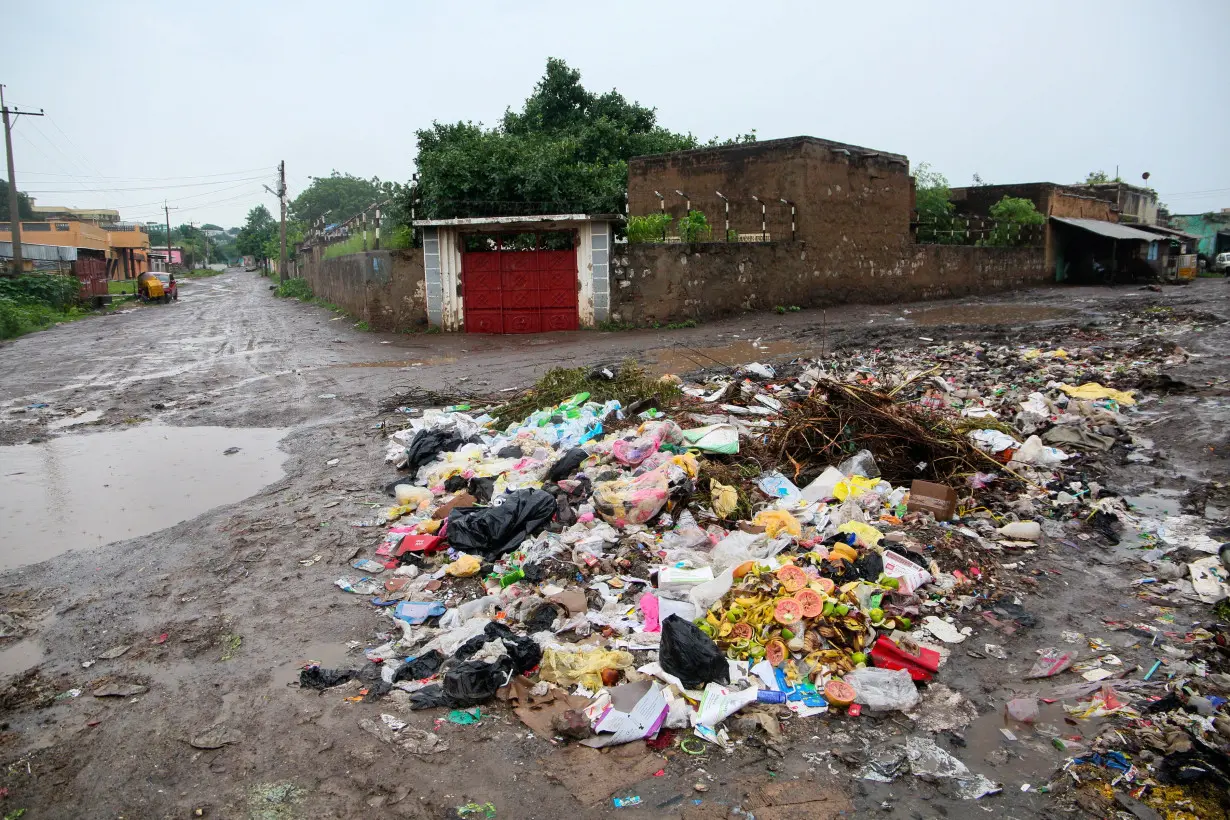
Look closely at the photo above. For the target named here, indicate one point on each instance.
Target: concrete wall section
(661, 283)
(384, 288)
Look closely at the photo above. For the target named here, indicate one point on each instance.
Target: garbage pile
(772, 544)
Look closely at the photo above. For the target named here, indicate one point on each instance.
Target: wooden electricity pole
(14, 213)
(280, 193)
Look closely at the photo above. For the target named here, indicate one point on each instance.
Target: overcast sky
(209, 97)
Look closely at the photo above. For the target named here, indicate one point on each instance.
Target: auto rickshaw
(150, 289)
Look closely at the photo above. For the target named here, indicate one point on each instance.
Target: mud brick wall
(663, 283)
(384, 288)
(843, 194)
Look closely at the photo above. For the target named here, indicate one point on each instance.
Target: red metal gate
(92, 273)
(519, 283)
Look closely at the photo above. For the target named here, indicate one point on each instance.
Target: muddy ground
(220, 610)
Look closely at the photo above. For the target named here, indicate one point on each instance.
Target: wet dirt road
(217, 611)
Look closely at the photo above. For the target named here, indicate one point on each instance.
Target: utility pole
(168, 213)
(14, 213)
(280, 193)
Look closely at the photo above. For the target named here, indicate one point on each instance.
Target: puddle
(88, 417)
(406, 362)
(16, 658)
(687, 359)
(1031, 757)
(987, 315)
(330, 655)
(77, 492)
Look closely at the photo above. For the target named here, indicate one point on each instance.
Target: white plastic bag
(883, 690)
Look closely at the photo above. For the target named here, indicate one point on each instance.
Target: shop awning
(1112, 229)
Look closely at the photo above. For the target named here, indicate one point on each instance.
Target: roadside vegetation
(36, 301)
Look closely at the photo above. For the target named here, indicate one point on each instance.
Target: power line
(142, 188)
(154, 179)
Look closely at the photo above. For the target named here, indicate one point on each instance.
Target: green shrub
(695, 227)
(295, 289)
(52, 289)
(649, 228)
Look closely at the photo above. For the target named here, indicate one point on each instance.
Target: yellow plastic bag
(1092, 390)
(775, 521)
(585, 668)
(430, 526)
(463, 567)
(868, 536)
(853, 487)
(723, 498)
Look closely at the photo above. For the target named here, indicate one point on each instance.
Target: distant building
(158, 258)
(1212, 231)
(1134, 203)
(123, 247)
(98, 216)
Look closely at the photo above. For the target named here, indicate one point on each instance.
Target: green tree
(256, 233)
(1012, 215)
(567, 149)
(1099, 178)
(337, 197)
(209, 226)
(933, 203)
(24, 209)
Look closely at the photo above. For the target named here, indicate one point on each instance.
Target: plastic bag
(686, 535)
(691, 655)
(494, 531)
(464, 566)
(632, 500)
(468, 683)
(650, 436)
(724, 499)
(585, 667)
(776, 522)
(566, 465)
(867, 535)
(740, 546)
(1034, 452)
(853, 487)
(862, 463)
(776, 485)
(822, 488)
(427, 444)
(714, 438)
(882, 690)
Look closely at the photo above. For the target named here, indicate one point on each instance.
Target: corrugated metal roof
(1171, 232)
(40, 253)
(1112, 229)
(511, 220)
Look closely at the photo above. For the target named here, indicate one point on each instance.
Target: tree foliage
(933, 203)
(256, 233)
(338, 197)
(24, 209)
(1099, 178)
(567, 149)
(1012, 215)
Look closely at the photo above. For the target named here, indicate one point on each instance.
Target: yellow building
(126, 246)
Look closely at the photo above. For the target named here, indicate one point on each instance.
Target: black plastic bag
(691, 655)
(471, 683)
(494, 531)
(524, 651)
(427, 444)
(455, 484)
(511, 451)
(429, 697)
(566, 465)
(424, 666)
(315, 677)
(482, 489)
(542, 618)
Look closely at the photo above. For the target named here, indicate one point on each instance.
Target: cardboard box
(459, 501)
(937, 499)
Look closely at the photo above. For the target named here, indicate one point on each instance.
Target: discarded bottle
(456, 408)
(770, 696)
(510, 578)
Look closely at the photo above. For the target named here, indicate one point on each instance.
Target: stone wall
(384, 288)
(658, 283)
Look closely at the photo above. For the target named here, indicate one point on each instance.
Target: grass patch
(36, 301)
(200, 273)
(122, 287)
(396, 239)
(230, 646)
(295, 289)
(631, 383)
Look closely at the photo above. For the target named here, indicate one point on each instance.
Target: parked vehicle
(169, 285)
(1221, 264)
(151, 289)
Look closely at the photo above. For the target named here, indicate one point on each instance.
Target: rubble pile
(776, 545)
